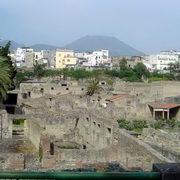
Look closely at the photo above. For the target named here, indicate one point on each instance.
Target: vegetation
(4, 52)
(134, 125)
(93, 87)
(38, 71)
(165, 123)
(5, 78)
(19, 122)
(7, 71)
(138, 125)
(137, 74)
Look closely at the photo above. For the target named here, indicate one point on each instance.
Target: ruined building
(64, 128)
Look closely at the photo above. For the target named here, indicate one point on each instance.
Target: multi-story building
(65, 58)
(162, 60)
(45, 57)
(95, 58)
(24, 57)
(130, 60)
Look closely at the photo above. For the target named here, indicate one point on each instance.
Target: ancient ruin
(60, 127)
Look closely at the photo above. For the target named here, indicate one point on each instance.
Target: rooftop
(117, 97)
(164, 106)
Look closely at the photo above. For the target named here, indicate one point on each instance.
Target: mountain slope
(14, 45)
(39, 47)
(114, 45)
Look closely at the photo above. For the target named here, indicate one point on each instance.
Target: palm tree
(93, 87)
(5, 78)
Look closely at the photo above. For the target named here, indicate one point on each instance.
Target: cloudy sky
(147, 25)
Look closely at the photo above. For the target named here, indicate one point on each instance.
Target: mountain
(36, 47)
(88, 43)
(39, 47)
(114, 45)
(14, 45)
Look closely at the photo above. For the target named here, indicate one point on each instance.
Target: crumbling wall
(5, 125)
(133, 153)
(129, 152)
(97, 132)
(39, 89)
(19, 161)
(34, 130)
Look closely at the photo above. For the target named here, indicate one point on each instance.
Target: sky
(147, 25)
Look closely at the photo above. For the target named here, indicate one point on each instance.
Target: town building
(162, 60)
(65, 59)
(23, 57)
(95, 58)
(130, 60)
(45, 57)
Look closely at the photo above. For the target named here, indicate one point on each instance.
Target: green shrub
(134, 125)
(19, 122)
(165, 123)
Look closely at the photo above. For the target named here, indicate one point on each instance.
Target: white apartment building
(162, 60)
(23, 57)
(95, 58)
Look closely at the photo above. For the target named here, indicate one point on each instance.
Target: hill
(88, 43)
(39, 47)
(14, 45)
(114, 45)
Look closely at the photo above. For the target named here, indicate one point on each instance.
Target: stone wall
(5, 125)
(33, 131)
(129, 152)
(39, 89)
(19, 161)
(149, 92)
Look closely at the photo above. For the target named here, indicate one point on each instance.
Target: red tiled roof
(164, 106)
(117, 97)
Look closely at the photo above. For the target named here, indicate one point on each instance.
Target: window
(109, 130)
(29, 94)
(42, 90)
(52, 88)
(67, 89)
(51, 148)
(24, 95)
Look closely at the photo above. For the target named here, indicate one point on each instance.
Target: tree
(141, 70)
(93, 87)
(39, 70)
(123, 64)
(5, 77)
(174, 67)
(4, 52)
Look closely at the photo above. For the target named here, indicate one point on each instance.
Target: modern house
(65, 58)
(162, 60)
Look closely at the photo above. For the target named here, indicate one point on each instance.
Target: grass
(19, 122)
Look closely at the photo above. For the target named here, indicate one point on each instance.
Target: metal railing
(82, 175)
